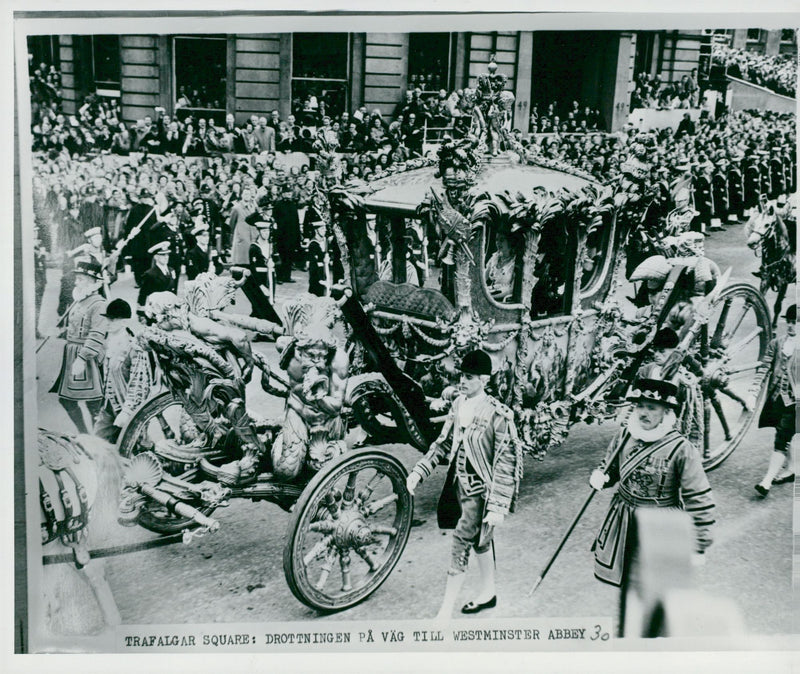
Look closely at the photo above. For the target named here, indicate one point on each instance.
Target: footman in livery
(480, 441)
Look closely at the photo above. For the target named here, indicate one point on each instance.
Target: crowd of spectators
(722, 140)
(651, 92)
(572, 119)
(92, 168)
(777, 73)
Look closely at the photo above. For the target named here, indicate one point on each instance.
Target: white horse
(79, 480)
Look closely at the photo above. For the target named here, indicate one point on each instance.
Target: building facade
(246, 74)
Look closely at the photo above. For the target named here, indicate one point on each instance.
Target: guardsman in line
(80, 377)
(127, 369)
(654, 466)
(319, 264)
(752, 184)
(777, 179)
(703, 197)
(735, 188)
(780, 408)
(719, 190)
(764, 172)
(479, 440)
(160, 277)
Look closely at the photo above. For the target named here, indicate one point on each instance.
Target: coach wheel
(160, 418)
(730, 348)
(348, 530)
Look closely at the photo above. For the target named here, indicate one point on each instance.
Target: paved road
(236, 574)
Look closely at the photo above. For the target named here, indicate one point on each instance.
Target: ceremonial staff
(113, 256)
(575, 521)
(701, 316)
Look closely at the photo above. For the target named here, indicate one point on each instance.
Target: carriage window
(401, 252)
(501, 269)
(551, 270)
(597, 250)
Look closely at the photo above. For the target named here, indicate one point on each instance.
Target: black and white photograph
(401, 334)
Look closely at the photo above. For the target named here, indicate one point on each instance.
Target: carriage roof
(403, 192)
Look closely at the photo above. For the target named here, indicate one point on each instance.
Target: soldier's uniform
(719, 186)
(777, 178)
(703, 202)
(735, 189)
(261, 276)
(764, 172)
(752, 183)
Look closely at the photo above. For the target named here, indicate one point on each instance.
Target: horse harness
(57, 453)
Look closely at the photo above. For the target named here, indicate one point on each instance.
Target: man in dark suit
(258, 287)
(137, 247)
(168, 231)
(159, 278)
(287, 233)
(198, 257)
(308, 218)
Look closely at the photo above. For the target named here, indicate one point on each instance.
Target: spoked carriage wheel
(729, 349)
(348, 530)
(158, 419)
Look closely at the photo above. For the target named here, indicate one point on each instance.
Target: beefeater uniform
(485, 469)
(667, 473)
(85, 339)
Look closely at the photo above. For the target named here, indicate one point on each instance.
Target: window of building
(43, 49)
(788, 35)
(200, 73)
(430, 60)
(106, 64)
(320, 70)
(755, 35)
